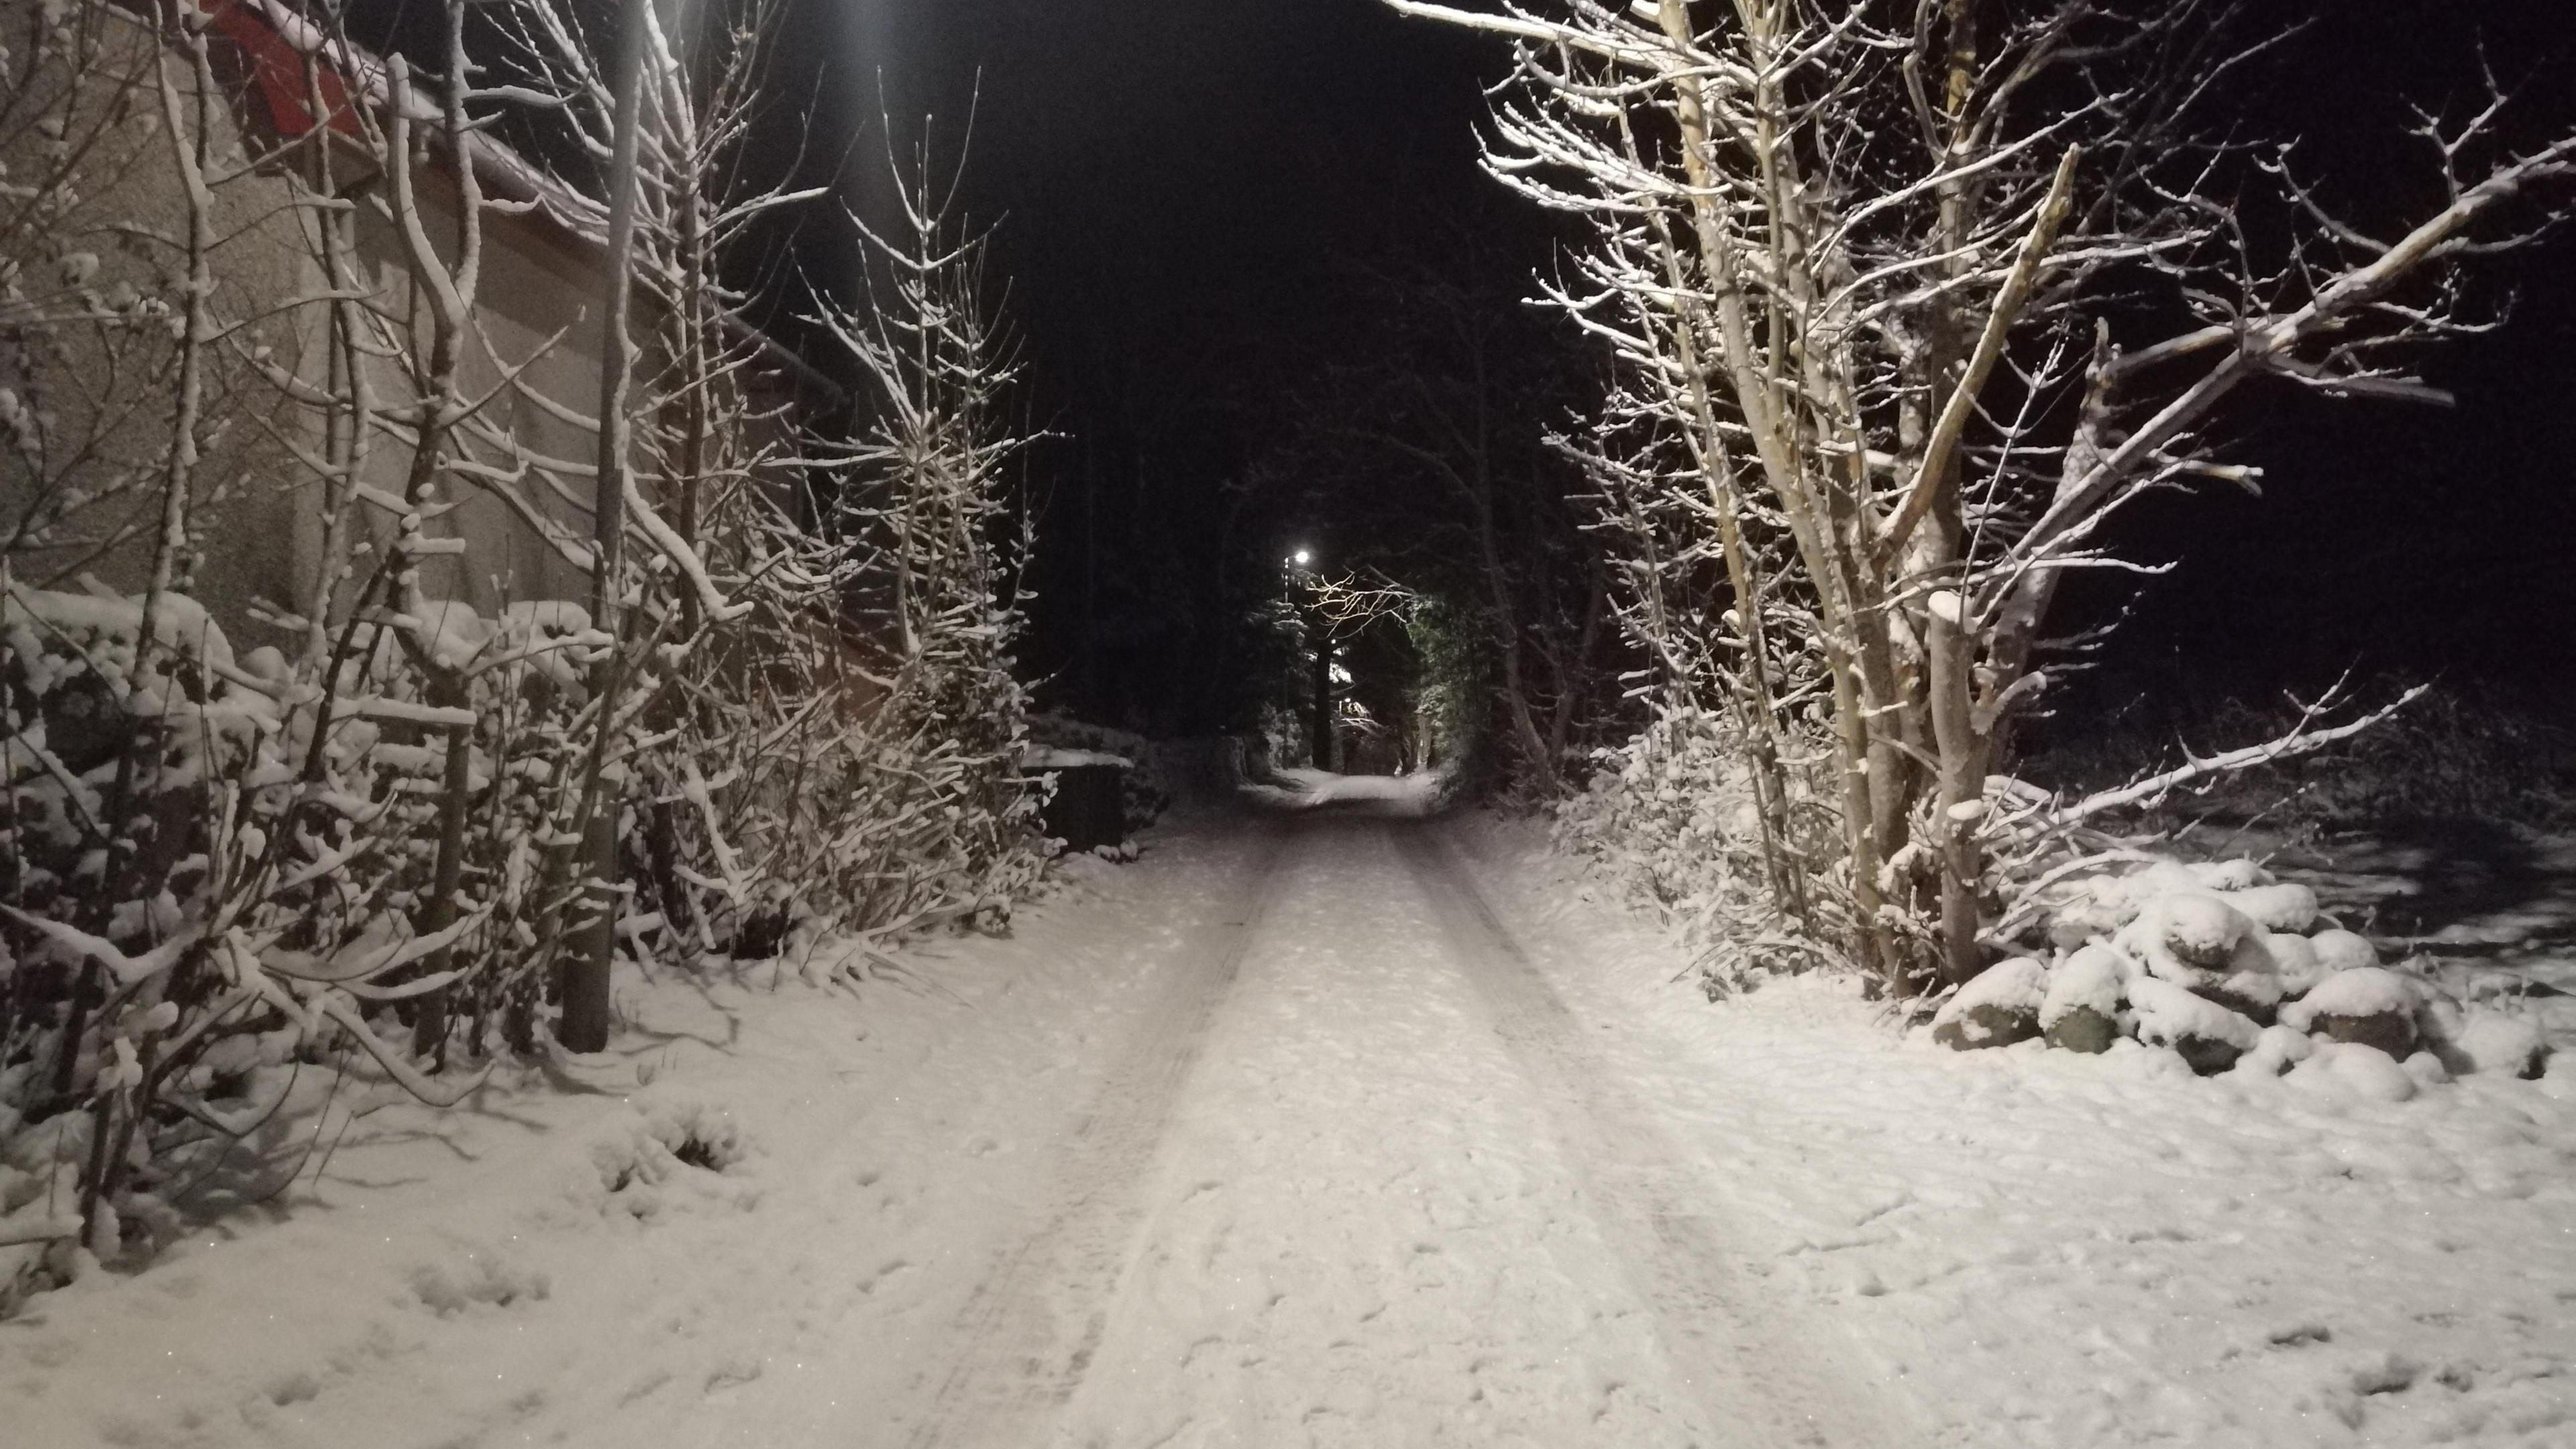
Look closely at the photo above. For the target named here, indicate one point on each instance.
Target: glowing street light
(1301, 558)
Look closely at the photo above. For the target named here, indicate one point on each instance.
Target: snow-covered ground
(2491, 911)
(2041, 1248)
(1323, 1128)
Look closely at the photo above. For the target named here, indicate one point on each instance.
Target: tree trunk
(584, 1027)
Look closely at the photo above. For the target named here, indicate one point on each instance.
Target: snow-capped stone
(2255, 994)
(2185, 937)
(2164, 878)
(2427, 1070)
(2367, 991)
(2287, 907)
(2229, 875)
(1997, 1008)
(2081, 1010)
(2340, 950)
(2095, 976)
(2205, 1034)
(2355, 1069)
(2294, 960)
(2275, 1051)
(2370, 1005)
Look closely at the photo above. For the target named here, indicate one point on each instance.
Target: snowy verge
(721, 1231)
(2042, 1248)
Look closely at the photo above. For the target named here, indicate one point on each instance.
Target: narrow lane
(1752, 1371)
(1028, 1333)
(1358, 1183)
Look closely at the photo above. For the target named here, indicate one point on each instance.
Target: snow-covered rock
(2355, 1069)
(2294, 960)
(2371, 1005)
(2085, 907)
(2081, 1010)
(2427, 1070)
(2229, 875)
(2287, 907)
(2275, 1051)
(2205, 1034)
(1999, 1007)
(2185, 937)
(2255, 994)
(2340, 950)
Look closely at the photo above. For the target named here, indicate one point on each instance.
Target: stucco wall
(256, 505)
(105, 389)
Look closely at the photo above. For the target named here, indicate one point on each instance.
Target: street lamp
(1303, 586)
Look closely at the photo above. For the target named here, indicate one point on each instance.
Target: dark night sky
(1180, 184)
(1181, 187)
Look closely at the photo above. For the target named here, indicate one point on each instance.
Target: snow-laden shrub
(397, 833)
(219, 864)
(1670, 822)
(1146, 791)
(665, 1137)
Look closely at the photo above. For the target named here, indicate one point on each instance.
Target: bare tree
(1910, 299)
(384, 823)
(1433, 452)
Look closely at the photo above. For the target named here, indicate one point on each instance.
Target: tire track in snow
(1028, 1334)
(1770, 1391)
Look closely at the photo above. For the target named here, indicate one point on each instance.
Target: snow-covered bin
(1088, 808)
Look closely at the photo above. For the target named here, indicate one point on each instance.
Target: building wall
(105, 389)
(258, 506)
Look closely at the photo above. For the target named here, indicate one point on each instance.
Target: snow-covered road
(1274, 1138)
(1356, 1178)
(1332, 1128)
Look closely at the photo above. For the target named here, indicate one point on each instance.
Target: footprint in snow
(294, 1388)
(732, 1374)
(873, 1281)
